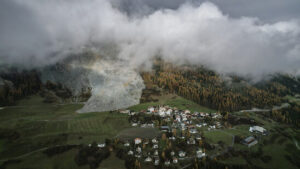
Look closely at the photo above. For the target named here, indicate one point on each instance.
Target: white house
(138, 149)
(154, 140)
(125, 111)
(101, 145)
(151, 109)
(130, 152)
(167, 163)
(175, 160)
(156, 162)
(155, 146)
(257, 129)
(148, 159)
(181, 154)
(200, 154)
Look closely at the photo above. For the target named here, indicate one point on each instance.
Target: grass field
(218, 135)
(173, 101)
(293, 99)
(112, 162)
(278, 145)
(41, 125)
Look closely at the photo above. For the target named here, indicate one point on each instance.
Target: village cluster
(181, 135)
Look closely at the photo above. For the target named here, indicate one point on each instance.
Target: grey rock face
(114, 85)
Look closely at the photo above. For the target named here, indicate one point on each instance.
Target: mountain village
(180, 138)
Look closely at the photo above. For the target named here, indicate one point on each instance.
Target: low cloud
(37, 33)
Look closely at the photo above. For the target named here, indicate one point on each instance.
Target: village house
(167, 163)
(154, 140)
(138, 150)
(250, 141)
(137, 141)
(127, 144)
(181, 154)
(172, 138)
(125, 111)
(151, 109)
(191, 141)
(175, 160)
(193, 131)
(156, 161)
(101, 145)
(200, 154)
(130, 152)
(148, 159)
(134, 124)
(165, 128)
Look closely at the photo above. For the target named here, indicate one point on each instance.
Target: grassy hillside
(32, 126)
(173, 100)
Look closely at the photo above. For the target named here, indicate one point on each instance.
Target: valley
(31, 127)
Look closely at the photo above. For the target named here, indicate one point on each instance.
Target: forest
(210, 89)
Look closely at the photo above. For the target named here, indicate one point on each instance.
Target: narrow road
(24, 155)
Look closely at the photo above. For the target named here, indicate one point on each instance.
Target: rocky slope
(114, 85)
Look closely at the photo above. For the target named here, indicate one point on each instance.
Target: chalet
(250, 141)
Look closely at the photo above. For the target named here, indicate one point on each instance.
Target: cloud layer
(37, 33)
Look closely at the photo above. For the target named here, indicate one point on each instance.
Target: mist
(36, 33)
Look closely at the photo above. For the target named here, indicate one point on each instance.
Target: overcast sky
(267, 10)
(247, 37)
